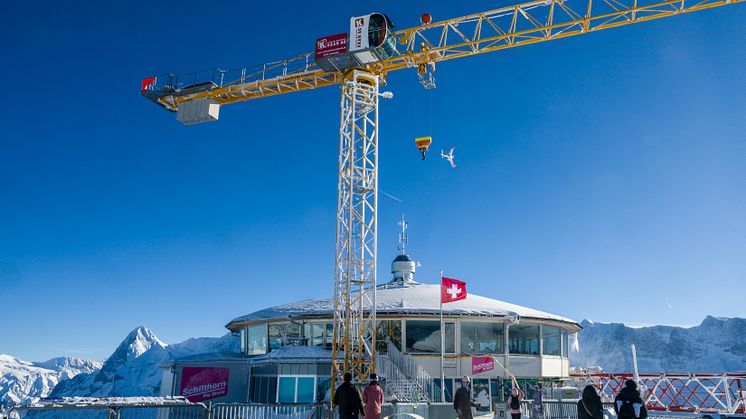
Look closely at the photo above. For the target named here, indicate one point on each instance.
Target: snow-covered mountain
(134, 367)
(23, 380)
(716, 345)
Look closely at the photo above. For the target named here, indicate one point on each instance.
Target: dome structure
(423, 347)
(410, 299)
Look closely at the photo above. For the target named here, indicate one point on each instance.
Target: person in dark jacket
(514, 402)
(462, 400)
(347, 397)
(590, 407)
(628, 403)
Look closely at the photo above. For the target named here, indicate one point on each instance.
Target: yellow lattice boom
(507, 27)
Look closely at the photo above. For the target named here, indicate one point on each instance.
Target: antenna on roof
(403, 239)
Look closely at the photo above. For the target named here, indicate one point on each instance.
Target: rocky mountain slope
(716, 345)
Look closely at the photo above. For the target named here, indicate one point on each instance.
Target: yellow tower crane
(357, 61)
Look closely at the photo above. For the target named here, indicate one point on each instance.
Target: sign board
(199, 384)
(359, 33)
(481, 364)
(331, 45)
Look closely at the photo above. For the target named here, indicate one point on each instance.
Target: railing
(414, 371)
(166, 84)
(266, 411)
(397, 385)
(110, 411)
(693, 392)
(552, 410)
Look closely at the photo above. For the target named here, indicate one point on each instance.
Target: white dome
(408, 299)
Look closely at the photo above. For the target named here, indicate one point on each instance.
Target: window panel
(423, 336)
(257, 340)
(271, 389)
(481, 392)
(305, 390)
(551, 340)
(323, 385)
(524, 339)
(286, 392)
(388, 330)
(481, 338)
(283, 334)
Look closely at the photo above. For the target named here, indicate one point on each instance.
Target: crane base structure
(357, 226)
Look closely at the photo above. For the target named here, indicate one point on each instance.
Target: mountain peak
(139, 341)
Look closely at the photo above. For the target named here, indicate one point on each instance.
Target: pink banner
(199, 384)
(482, 364)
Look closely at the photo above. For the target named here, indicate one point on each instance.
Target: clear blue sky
(596, 173)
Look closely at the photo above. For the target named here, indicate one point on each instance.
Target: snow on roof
(113, 401)
(412, 298)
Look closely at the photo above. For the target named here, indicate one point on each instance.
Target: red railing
(690, 392)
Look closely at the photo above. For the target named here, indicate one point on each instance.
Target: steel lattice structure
(693, 392)
(357, 203)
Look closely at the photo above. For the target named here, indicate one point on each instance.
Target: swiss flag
(452, 290)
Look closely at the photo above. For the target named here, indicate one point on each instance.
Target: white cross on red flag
(452, 290)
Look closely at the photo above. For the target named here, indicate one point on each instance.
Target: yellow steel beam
(508, 27)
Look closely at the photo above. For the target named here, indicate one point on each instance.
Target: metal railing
(205, 80)
(267, 411)
(414, 371)
(552, 409)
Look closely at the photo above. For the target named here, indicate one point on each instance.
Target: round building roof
(408, 299)
(403, 258)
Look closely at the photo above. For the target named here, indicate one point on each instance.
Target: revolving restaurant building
(286, 350)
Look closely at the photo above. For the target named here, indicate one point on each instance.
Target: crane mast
(357, 226)
(196, 97)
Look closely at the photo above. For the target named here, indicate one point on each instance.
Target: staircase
(406, 380)
(398, 387)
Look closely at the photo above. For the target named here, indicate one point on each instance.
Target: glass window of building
(448, 388)
(481, 392)
(305, 390)
(286, 390)
(481, 338)
(283, 334)
(323, 387)
(295, 389)
(423, 336)
(263, 389)
(257, 339)
(566, 344)
(524, 339)
(551, 340)
(388, 330)
(315, 334)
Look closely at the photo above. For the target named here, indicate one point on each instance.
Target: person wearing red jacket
(373, 398)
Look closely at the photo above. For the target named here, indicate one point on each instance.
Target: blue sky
(596, 174)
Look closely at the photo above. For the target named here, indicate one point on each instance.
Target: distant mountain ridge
(715, 345)
(133, 369)
(23, 380)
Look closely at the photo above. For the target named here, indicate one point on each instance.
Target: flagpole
(442, 344)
